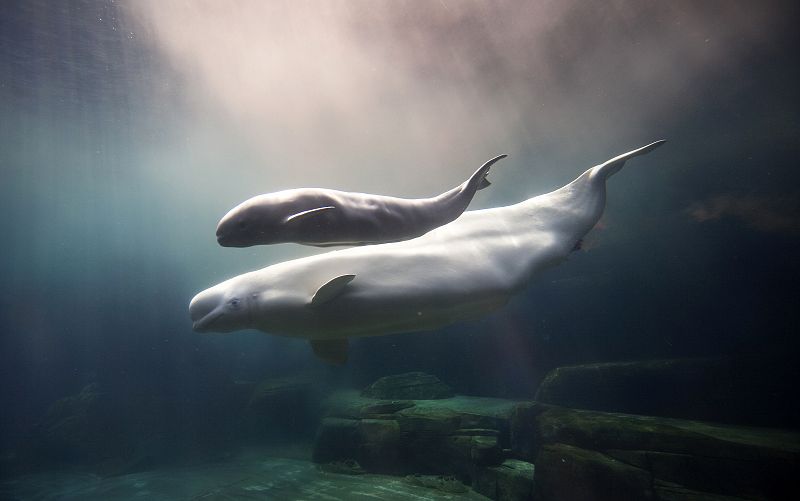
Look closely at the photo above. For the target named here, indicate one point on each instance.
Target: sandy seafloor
(249, 475)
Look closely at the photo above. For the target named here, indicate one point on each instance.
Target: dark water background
(120, 147)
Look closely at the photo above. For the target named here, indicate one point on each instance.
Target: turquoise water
(128, 129)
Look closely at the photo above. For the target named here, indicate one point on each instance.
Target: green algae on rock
(409, 386)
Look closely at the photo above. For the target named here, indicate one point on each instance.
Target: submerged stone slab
(465, 412)
(523, 433)
(438, 482)
(465, 453)
(568, 472)
(452, 413)
(410, 386)
(722, 389)
(453, 436)
(268, 390)
(337, 439)
(284, 405)
(515, 480)
(379, 445)
(709, 458)
(385, 408)
(510, 481)
(71, 423)
(667, 491)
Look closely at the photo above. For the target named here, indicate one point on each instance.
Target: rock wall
(723, 389)
(492, 446)
(465, 437)
(600, 455)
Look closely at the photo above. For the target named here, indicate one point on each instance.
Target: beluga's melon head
(252, 222)
(221, 308)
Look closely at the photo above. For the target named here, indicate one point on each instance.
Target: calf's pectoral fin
(332, 351)
(308, 213)
(331, 289)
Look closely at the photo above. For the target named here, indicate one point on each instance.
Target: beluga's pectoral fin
(333, 351)
(613, 166)
(331, 289)
(307, 213)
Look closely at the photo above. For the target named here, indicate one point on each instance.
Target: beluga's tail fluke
(478, 180)
(611, 167)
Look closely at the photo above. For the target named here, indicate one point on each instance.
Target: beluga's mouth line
(206, 321)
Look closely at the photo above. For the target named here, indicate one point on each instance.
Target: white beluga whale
(322, 217)
(459, 271)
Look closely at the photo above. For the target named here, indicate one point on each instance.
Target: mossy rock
(379, 445)
(283, 406)
(709, 458)
(337, 440)
(385, 408)
(342, 467)
(568, 472)
(444, 483)
(510, 481)
(409, 386)
(606, 431)
(722, 389)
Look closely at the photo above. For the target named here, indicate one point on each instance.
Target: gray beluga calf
(323, 217)
(455, 272)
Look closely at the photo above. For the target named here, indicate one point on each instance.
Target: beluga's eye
(242, 224)
(234, 303)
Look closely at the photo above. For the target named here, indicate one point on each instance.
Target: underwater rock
(727, 390)
(409, 386)
(343, 467)
(379, 445)
(568, 472)
(72, 430)
(465, 453)
(453, 436)
(115, 430)
(510, 481)
(522, 432)
(438, 482)
(372, 443)
(265, 392)
(515, 480)
(710, 458)
(284, 405)
(667, 491)
(337, 440)
(386, 408)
